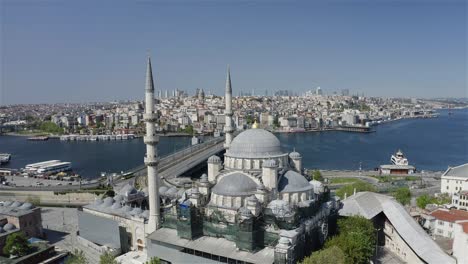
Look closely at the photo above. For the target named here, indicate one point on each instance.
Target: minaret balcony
(150, 117)
(151, 161)
(151, 140)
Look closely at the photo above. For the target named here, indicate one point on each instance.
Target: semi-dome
(293, 182)
(237, 184)
(255, 143)
(128, 189)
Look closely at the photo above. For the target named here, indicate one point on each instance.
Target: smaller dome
(171, 192)
(295, 155)
(9, 227)
(26, 206)
(128, 189)
(214, 159)
(107, 202)
(163, 190)
(204, 178)
(145, 214)
(16, 204)
(116, 205)
(98, 202)
(126, 208)
(7, 203)
(136, 211)
(271, 163)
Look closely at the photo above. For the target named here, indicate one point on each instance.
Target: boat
(4, 158)
(399, 158)
(42, 138)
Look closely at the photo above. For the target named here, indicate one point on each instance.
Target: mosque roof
(255, 143)
(235, 184)
(293, 182)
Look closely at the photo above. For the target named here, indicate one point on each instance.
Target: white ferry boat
(4, 158)
(399, 158)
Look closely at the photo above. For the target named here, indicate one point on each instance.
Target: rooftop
(397, 167)
(214, 246)
(458, 171)
(450, 215)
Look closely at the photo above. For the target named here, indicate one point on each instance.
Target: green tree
(107, 258)
(77, 257)
(423, 200)
(331, 255)
(317, 175)
(403, 195)
(50, 127)
(16, 245)
(189, 129)
(154, 260)
(356, 238)
(359, 186)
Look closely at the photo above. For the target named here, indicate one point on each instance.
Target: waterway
(429, 144)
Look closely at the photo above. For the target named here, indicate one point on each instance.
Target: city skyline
(72, 52)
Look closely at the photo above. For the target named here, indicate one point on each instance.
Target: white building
(460, 200)
(460, 242)
(455, 179)
(442, 221)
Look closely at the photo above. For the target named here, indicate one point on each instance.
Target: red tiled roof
(450, 216)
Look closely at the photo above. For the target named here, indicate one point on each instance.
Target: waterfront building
(397, 232)
(454, 179)
(460, 200)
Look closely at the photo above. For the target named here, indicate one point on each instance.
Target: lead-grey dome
(293, 182)
(9, 227)
(295, 155)
(254, 143)
(237, 184)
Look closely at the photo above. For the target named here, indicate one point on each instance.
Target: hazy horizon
(77, 52)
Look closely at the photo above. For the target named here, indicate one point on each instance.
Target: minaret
(228, 112)
(151, 158)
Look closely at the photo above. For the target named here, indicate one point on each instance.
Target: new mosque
(254, 204)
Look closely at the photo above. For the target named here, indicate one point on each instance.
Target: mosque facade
(254, 204)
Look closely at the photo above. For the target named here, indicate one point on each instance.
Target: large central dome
(255, 143)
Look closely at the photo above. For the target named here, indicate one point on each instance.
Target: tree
(154, 260)
(356, 239)
(423, 200)
(16, 245)
(403, 195)
(359, 186)
(317, 175)
(50, 127)
(77, 257)
(107, 258)
(331, 255)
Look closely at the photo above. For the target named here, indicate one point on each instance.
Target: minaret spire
(151, 158)
(228, 112)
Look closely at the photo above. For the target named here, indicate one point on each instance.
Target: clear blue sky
(80, 51)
